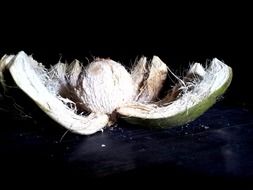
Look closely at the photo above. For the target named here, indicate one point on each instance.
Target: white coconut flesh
(86, 99)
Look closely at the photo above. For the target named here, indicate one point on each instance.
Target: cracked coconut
(86, 99)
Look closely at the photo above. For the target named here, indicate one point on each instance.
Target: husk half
(30, 77)
(157, 116)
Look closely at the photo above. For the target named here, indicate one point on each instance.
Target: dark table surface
(216, 147)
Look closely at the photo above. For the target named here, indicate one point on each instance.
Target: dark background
(33, 149)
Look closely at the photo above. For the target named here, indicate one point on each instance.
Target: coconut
(85, 99)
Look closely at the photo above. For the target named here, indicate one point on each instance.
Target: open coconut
(85, 99)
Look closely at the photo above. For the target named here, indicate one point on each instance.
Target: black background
(178, 38)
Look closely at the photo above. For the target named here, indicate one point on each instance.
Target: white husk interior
(32, 78)
(212, 79)
(149, 78)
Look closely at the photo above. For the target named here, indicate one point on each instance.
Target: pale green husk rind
(186, 116)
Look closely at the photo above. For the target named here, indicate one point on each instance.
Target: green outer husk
(185, 116)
